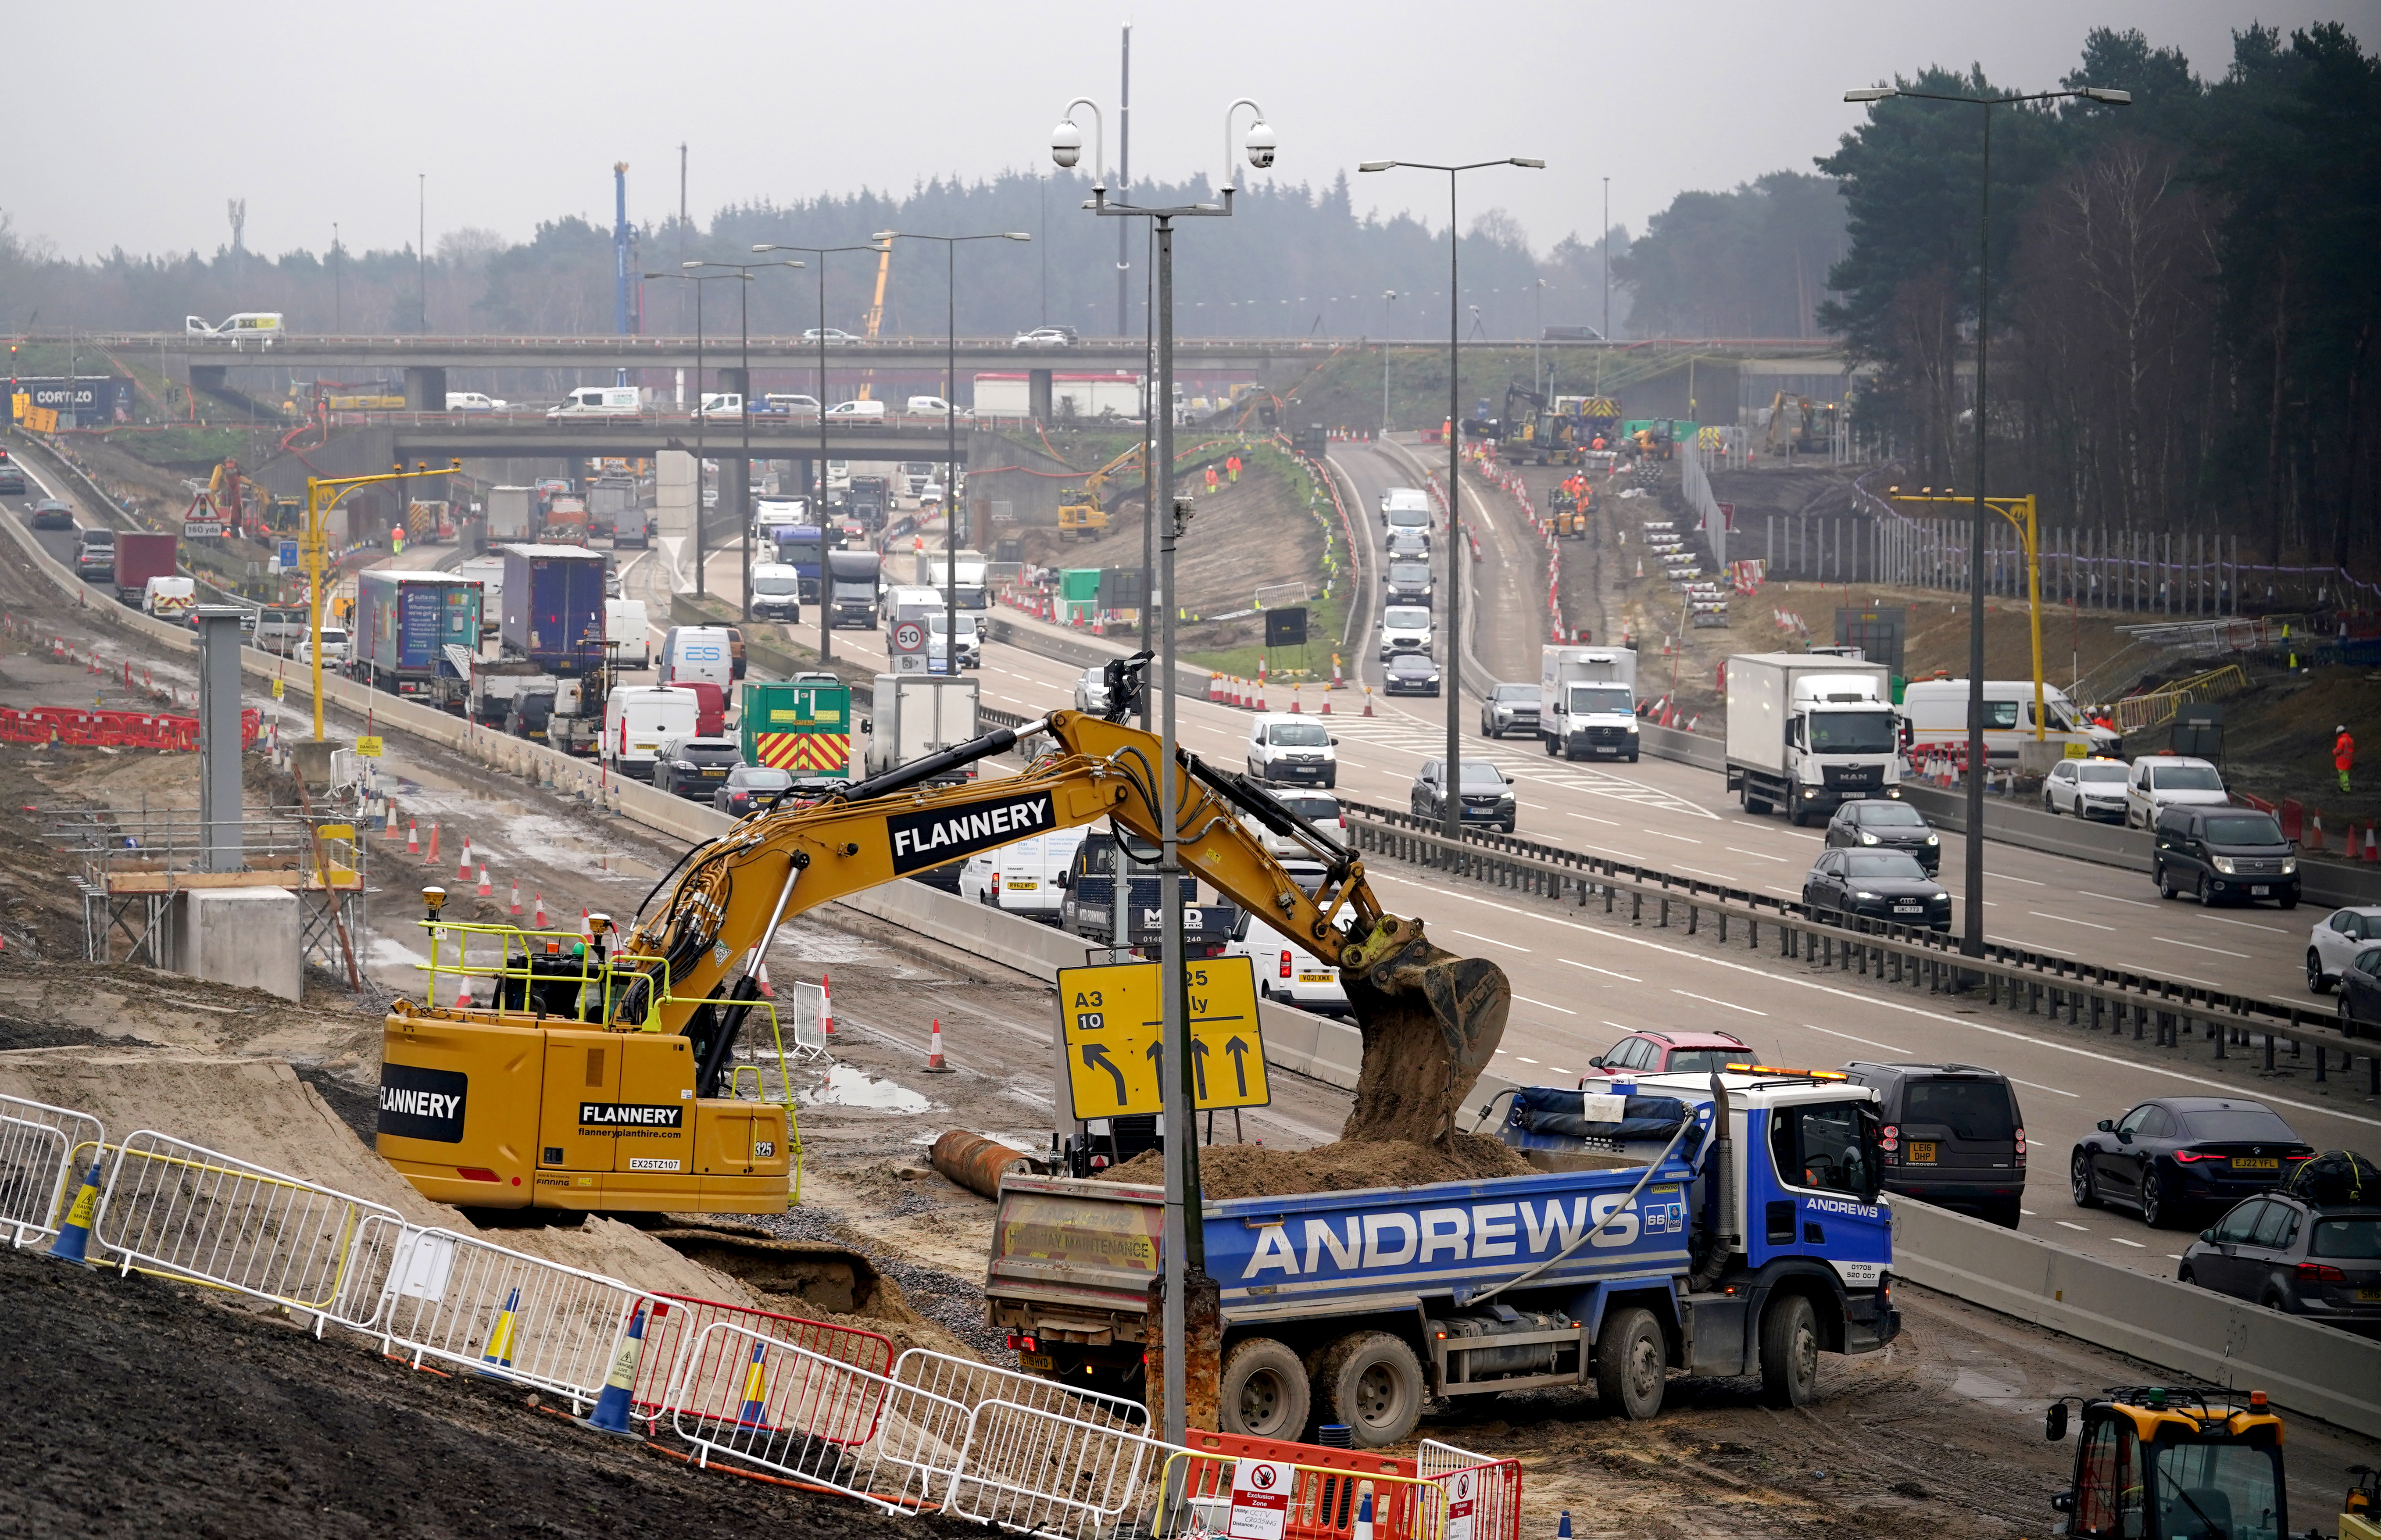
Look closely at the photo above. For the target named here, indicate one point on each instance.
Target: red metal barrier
(114, 729)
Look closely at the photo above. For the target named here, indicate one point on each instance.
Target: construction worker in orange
(2343, 754)
(1232, 464)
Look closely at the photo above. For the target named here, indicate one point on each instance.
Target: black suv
(1953, 1135)
(695, 766)
(95, 557)
(2219, 853)
(1487, 795)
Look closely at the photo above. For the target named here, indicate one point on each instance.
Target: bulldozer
(597, 1074)
(1798, 425)
(2188, 1461)
(1088, 514)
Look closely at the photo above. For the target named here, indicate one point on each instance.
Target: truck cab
(1587, 702)
(1711, 1224)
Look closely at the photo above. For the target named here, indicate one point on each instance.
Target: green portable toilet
(1079, 595)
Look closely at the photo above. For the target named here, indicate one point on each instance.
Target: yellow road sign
(1113, 1023)
(276, 689)
(368, 748)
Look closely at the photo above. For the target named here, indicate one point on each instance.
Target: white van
(872, 412)
(637, 718)
(697, 655)
(720, 403)
(2161, 781)
(471, 401)
(1935, 711)
(1404, 629)
(628, 633)
(1022, 879)
(169, 598)
(601, 401)
(777, 592)
(930, 406)
(1286, 750)
(1405, 500)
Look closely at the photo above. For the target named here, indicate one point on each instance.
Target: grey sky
(135, 122)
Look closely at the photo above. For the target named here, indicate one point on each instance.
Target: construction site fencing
(675, 1329)
(113, 730)
(42, 1149)
(807, 1007)
(503, 1315)
(1483, 1495)
(1034, 1454)
(184, 1211)
(757, 1401)
(1323, 1504)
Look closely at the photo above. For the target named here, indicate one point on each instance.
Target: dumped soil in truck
(1258, 1172)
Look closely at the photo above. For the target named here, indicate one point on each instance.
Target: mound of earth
(1257, 1171)
(166, 1409)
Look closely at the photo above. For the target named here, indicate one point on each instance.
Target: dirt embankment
(1260, 1171)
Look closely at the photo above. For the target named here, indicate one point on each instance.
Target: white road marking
(2003, 876)
(2246, 924)
(1659, 834)
(1490, 940)
(1591, 818)
(1730, 1005)
(2067, 919)
(2197, 947)
(2134, 1244)
(1540, 1003)
(2052, 1089)
(2114, 899)
(1870, 1042)
(1607, 973)
(1755, 854)
(2064, 1225)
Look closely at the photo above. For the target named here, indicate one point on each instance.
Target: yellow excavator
(1087, 514)
(592, 1082)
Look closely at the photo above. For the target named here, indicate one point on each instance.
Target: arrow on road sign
(1238, 1049)
(1095, 1057)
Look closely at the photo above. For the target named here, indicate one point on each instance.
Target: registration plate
(1910, 908)
(2259, 891)
(1314, 978)
(2368, 1296)
(1036, 1360)
(2244, 1163)
(1025, 885)
(1922, 1152)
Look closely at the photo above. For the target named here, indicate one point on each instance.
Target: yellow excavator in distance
(592, 1083)
(1089, 513)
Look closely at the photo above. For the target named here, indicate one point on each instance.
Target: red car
(1653, 1053)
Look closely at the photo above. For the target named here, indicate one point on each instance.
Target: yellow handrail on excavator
(615, 1108)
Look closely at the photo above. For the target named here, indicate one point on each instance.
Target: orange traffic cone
(430, 856)
(486, 889)
(537, 920)
(934, 1065)
(827, 1009)
(463, 863)
(1368, 700)
(516, 903)
(413, 837)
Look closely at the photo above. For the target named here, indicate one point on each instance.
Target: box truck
(1587, 701)
(512, 514)
(405, 622)
(552, 612)
(917, 715)
(1809, 734)
(139, 558)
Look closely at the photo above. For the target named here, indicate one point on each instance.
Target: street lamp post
(1184, 1239)
(742, 270)
(1451, 798)
(951, 426)
(702, 418)
(311, 552)
(1972, 934)
(826, 577)
(1389, 298)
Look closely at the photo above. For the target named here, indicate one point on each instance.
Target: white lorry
(512, 514)
(1587, 701)
(1809, 734)
(917, 715)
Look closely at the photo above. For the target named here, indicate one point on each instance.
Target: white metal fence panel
(806, 1014)
(189, 1212)
(762, 1402)
(1433, 1460)
(42, 1149)
(1043, 1471)
(502, 1314)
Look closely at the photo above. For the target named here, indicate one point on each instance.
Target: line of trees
(2183, 294)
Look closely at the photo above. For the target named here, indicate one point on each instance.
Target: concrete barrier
(2304, 1365)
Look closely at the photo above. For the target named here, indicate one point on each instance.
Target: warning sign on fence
(1260, 1500)
(368, 748)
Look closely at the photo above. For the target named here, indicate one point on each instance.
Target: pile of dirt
(1257, 1171)
(204, 1417)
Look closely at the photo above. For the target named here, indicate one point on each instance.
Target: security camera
(1260, 144)
(1067, 143)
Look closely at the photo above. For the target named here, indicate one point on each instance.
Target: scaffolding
(137, 861)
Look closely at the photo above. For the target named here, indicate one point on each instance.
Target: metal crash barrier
(43, 1148)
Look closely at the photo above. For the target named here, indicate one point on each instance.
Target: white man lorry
(1809, 734)
(1587, 701)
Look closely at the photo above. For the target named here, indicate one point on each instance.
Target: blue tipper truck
(552, 607)
(1718, 1225)
(404, 623)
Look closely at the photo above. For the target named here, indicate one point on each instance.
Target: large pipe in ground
(976, 1163)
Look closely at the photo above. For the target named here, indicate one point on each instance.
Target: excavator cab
(2173, 1463)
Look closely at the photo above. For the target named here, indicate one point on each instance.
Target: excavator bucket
(1430, 1020)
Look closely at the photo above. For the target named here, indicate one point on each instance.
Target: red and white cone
(761, 981)
(934, 1065)
(463, 863)
(429, 857)
(537, 919)
(827, 1009)
(516, 903)
(1297, 707)
(413, 837)
(486, 889)
(389, 820)
(1368, 700)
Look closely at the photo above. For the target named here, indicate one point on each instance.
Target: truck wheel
(1789, 1352)
(1547, 742)
(1631, 1362)
(1757, 806)
(1371, 1382)
(1264, 1392)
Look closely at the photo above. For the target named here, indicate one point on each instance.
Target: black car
(95, 558)
(529, 714)
(1487, 795)
(1410, 673)
(1409, 584)
(1878, 821)
(1509, 708)
(2359, 992)
(2217, 854)
(1877, 885)
(2322, 1262)
(749, 787)
(12, 480)
(2178, 1153)
(51, 514)
(1408, 545)
(694, 766)
(1953, 1135)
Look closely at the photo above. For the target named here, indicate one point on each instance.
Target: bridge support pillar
(733, 382)
(425, 389)
(207, 376)
(1037, 394)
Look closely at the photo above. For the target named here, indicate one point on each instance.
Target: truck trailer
(1587, 702)
(1638, 1255)
(1809, 734)
(139, 558)
(405, 622)
(512, 514)
(552, 612)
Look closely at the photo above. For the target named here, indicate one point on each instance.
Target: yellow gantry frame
(309, 553)
(2019, 512)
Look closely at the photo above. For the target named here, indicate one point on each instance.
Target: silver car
(2085, 788)
(2337, 938)
(1509, 708)
(1092, 691)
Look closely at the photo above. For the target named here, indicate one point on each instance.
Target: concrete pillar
(425, 389)
(219, 788)
(207, 376)
(1037, 394)
(674, 495)
(733, 382)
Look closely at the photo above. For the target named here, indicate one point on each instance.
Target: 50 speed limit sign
(908, 637)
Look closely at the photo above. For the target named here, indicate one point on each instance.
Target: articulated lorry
(552, 609)
(1587, 702)
(405, 623)
(139, 558)
(1717, 1225)
(512, 514)
(1810, 733)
